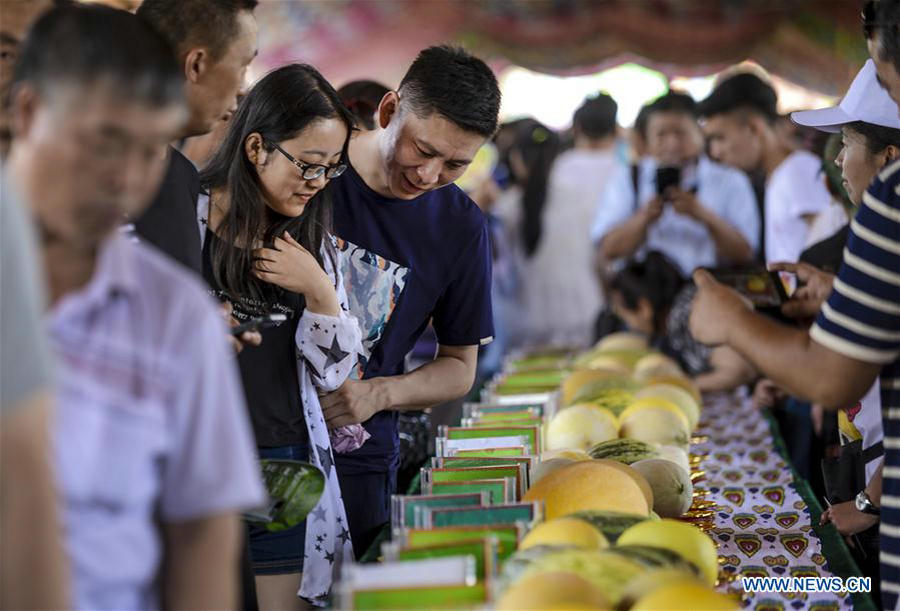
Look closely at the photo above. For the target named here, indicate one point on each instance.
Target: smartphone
(667, 176)
(261, 322)
(762, 287)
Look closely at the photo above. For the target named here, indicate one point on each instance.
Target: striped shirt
(861, 320)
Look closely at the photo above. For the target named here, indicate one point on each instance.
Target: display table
(764, 517)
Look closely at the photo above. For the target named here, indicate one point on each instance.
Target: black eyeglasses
(312, 171)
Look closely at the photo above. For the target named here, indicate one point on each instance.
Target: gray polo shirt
(24, 359)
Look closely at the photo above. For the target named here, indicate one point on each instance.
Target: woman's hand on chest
(288, 265)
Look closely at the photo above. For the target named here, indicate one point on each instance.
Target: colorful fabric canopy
(814, 43)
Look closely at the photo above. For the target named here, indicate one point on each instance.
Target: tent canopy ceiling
(814, 43)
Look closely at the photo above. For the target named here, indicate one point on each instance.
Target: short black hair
(743, 91)
(640, 121)
(882, 21)
(657, 279)
(87, 44)
(362, 99)
(673, 101)
(455, 84)
(877, 137)
(596, 117)
(188, 23)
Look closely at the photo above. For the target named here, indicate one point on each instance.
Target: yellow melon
(581, 427)
(677, 395)
(656, 365)
(552, 590)
(685, 596)
(582, 377)
(547, 467)
(593, 484)
(634, 474)
(689, 542)
(569, 453)
(609, 363)
(623, 340)
(655, 420)
(648, 582)
(677, 380)
(565, 531)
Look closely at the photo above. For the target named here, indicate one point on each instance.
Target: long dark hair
(538, 145)
(281, 105)
(655, 279)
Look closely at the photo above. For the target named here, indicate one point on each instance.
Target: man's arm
(201, 564)
(624, 239)
(787, 355)
(729, 370)
(32, 566)
(449, 376)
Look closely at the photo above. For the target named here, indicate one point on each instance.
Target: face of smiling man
(420, 154)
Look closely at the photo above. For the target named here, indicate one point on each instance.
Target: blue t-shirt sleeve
(463, 314)
(861, 318)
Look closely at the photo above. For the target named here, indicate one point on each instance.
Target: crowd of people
(150, 205)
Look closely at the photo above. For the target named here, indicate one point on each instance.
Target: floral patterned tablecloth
(762, 524)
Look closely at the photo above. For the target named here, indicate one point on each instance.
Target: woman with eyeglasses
(267, 249)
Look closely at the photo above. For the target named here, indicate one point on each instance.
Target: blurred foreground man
(214, 41)
(153, 452)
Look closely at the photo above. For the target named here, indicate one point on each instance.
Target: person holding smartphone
(267, 249)
(695, 211)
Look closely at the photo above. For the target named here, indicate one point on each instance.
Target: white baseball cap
(865, 101)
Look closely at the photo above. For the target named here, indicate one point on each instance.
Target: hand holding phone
(667, 176)
(813, 286)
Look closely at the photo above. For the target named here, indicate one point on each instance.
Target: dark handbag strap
(635, 174)
(872, 452)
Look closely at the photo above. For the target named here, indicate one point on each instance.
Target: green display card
(499, 490)
(483, 549)
(440, 462)
(470, 422)
(482, 410)
(488, 452)
(532, 433)
(421, 599)
(508, 536)
(547, 378)
(403, 507)
(467, 474)
(476, 516)
(456, 462)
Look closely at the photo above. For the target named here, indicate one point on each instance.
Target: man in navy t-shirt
(415, 249)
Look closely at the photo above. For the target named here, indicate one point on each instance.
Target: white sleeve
(741, 210)
(617, 203)
(330, 344)
(805, 189)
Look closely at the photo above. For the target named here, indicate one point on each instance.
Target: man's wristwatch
(865, 504)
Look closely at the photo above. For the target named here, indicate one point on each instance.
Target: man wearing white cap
(856, 335)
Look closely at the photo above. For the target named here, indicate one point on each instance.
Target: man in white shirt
(153, 451)
(740, 125)
(708, 219)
